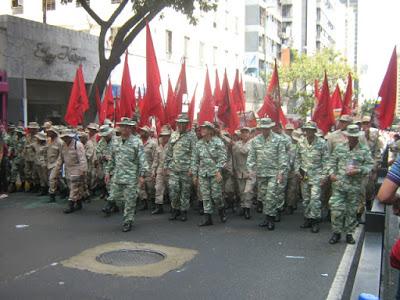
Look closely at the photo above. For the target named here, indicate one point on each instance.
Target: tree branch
(116, 13)
(91, 13)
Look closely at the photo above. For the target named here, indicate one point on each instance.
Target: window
(215, 52)
(168, 43)
(186, 47)
(201, 54)
(17, 6)
(115, 1)
(79, 5)
(50, 4)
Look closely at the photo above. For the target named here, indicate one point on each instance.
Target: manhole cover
(126, 257)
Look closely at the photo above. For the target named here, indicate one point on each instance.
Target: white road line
(342, 273)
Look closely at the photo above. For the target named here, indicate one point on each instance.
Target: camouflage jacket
(150, 149)
(208, 157)
(342, 157)
(179, 154)
(74, 159)
(103, 152)
(375, 144)
(41, 154)
(267, 157)
(159, 159)
(240, 151)
(54, 152)
(90, 150)
(311, 159)
(127, 160)
(29, 151)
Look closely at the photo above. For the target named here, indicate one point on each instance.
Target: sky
(379, 24)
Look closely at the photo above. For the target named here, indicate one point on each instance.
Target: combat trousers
(292, 190)
(31, 174)
(311, 200)
(266, 189)
(344, 204)
(17, 168)
(363, 195)
(281, 191)
(147, 191)
(245, 199)
(91, 177)
(125, 194)
(179, 184)
(211, 193)
(161, 187)
(43, 175)
(75, 187)
(54, 174)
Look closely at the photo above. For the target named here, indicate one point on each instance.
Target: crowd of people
(269, 169)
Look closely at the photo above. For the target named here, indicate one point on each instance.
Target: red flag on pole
(170, 107)
(133, 103)
(217, 89)
(388, 92)
(346, 109)
(272, 101)
(207, 105)
(127, 96)
(227, 111)
(107, 106)
(336, 98)
(192, 105)
(78, 101)
(180, 90)
(118, 114)
(237, 94)
(323, 114)
(152, 105)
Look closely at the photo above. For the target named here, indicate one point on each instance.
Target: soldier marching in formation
(270, 167)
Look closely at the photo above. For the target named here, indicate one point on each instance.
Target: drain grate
(125, 257)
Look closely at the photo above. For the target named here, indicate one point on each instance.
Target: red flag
(152, 105)
(170, 107)
(78, 101)
(387, 92)
(118, 114)
(133, 103)
(272, 101)
(346, 109)
(180, 90)
(191, 108)
(98, 101)
(316, 89)
(207, 106)
(107, 106)
(217, 89)
(323, 114)
(237, 94)
(336, 98)
(127, 96)
(227, 111)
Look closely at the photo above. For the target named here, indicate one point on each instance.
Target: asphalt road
(236, 260)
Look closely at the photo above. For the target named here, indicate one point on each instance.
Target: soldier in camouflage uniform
(41, 161)
(55, 146)
(31, 174)
(177, 165)
(311, 157)
(147, 191)
(161, 179)
(228, 185)
(208, 160)
(240, 151)
(269, 161)
(17, 163)
(349, 163)
(103, 154)
(90, 149)
(293, 183)
(128, 166)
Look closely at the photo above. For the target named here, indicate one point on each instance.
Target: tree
(367, 108)
(297, 79)
(142, 11)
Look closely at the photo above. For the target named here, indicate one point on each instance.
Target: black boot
(335, 238)
(242, 212)
(52, 198)
(78, 205)
(70, 208)
(306, 224)
(271, 224)
(222, 215)
(277, 218)
(159, 210)
(207, 220)
(11, 187)
(145, 206)
(264, 223)
(289, 210)
(314, 226)
(109, 208)
(127, 227)
(349, 239)
(174, 215)
(247, 213)
(259, 206)
(183, 215)
(43, 191)
(201, 208)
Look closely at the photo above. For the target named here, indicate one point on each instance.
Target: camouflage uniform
(90, 150)
(208, 158)
(41, 162)
(147, 191)
(103, 154)
(346, 189)
(310, 161)
(177, 161)
(268, 159)
(228, 185)
(158, 170)
(17, 163)
(127, 163)
(281, 187)
(53, 153)
(293, 184)
(240, 152)
(31, 175)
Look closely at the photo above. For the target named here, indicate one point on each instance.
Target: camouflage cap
(165, 131)
(107, 122)
(145, 129)
(52, 129)
(366, 119)
(20, 129)
(47, 125)
(289, 126)
(245, 129)
(346, 118)
(93, 126)
(352, 130)
(207, 124)
(182, 118)
(41, 136)
(266, 123)
(33, 125)
(297, 134)
(68, 133)
(310, 125)
(105, 130)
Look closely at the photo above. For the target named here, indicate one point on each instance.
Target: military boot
(277, 218)
(247, 215)
(43, 191)
(70, 208)
(270, 223)
(222, 215)
(11, 187)
(259, 207)
(314, 226)
(349, 239)
(159, 210)
(265, 222)
(207, 220)
(27, 187)
(109, 208)
(52, 198)
(78, 205)
(335, 238)
(145, 206)
(174, 215)
(183, 215)
(201, 208)
(127, 226)
(306, 224)
(289, 210)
